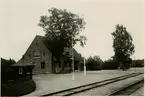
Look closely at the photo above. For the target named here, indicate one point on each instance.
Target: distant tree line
(95, 63)
(137, 63)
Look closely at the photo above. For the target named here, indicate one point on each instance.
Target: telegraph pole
(84, 60)
(84, 56)
(84, 66)
(134, 64)
(73, 75)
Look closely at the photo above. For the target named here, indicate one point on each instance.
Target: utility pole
(84, 60)
(134, 64)
(84, 66)
(73, 75)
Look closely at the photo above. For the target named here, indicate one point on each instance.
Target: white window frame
(36, 54)
(20, 70)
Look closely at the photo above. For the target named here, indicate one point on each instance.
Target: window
(42, 65)
(36, 43)
(43, 53)
(20, 70)
(36, 54)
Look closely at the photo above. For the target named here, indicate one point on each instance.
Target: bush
(94, 63)
(137, 63)
(9, 85)
(18, 88)
(110, 64)
(7, 72)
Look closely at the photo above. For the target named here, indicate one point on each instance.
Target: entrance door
(43, 65)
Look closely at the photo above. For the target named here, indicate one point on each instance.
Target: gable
(38, 45)
(37, 48)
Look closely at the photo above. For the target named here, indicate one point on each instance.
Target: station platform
(48, 83)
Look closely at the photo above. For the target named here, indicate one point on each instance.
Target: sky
(19, 24)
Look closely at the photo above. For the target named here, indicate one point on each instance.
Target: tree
(137, 63)
(62, 29)
(94, 63)
(5, 63)
(123, 46)
(7, 71)
(110, 64)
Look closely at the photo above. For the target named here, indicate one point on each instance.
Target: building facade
(39, 55)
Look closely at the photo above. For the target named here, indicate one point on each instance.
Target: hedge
(110, 64)
(18, 88)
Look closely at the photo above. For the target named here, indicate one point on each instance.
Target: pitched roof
(43, 39)
(23, 62)
(50, 48)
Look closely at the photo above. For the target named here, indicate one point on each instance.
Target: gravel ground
(48, 83)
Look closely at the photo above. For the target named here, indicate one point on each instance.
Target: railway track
(83, 88)
(128, 89)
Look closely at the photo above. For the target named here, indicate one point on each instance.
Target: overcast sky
(19, 24)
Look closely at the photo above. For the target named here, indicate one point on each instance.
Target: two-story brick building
(40, 55)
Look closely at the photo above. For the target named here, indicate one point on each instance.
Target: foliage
(122, 44)
(14, 88)
(62, 29)
(10, 86)
(94, 63)
(7, 62)
(110, 64)
(137, 63)
(7, 72)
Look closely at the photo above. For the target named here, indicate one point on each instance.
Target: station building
(39, 56)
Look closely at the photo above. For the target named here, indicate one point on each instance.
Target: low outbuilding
(23, 68)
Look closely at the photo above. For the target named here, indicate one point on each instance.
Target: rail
(119, 91)
(79, 89)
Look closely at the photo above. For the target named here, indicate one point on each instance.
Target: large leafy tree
(123, 45)
(62, 29)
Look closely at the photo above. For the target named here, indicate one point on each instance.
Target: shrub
(110, 64)
(137, 63)
(7, 72)
(94, 63)
(9, 85)
(18, 88)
